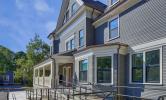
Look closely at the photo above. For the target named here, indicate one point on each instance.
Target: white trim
(144, 70)
(72, 25)
(69, 39)
(112, 69)
(84, 56)
(83, 82)
(152, 44)
(111, 19)
(113, 3)
(43, 65)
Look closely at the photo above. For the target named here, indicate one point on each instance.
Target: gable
(66, 6)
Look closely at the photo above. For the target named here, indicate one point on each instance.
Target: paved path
(20, 95)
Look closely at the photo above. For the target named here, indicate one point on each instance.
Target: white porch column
(52, 74)
(57, 74)
(44, 76)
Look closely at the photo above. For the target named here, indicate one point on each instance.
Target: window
(41, 72)
(137, 67)
(81, 38)
(153, 66)
(114, 28)
(47, 71)
(70, 45)
(36, 73)
(146, 67)
(74, 8)
(104, 72)
(66, 16)
(83, 67)
(114, 1)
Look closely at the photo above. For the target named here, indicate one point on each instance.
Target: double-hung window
(146, 67)
(83, 67)
(70, 44)
(36, 73)
(137, 67)
(104, 69)
(152, 66)
(74, 8)
(81, 38)
(114, 28)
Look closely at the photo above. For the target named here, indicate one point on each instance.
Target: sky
(21, 19)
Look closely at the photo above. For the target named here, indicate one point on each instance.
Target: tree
(37, 51)
(6, 60)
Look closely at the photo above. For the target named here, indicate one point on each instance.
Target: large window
(153, 66)
(146, 67)
(114, 1)
(114, 28)
(104, 72)
(81, 38)
(137, 67)
(83, 67)
(74, 8)
(70, 44)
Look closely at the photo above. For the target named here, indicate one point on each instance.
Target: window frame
(114, 2)
(109, 24)
(112, 69)
(82, 81)
(144, 66)
(72, 13)
(82, 38)
(69, 40)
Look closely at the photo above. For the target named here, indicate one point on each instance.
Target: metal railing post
(48, 94)
(41, 94)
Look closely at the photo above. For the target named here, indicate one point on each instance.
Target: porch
(52, 72)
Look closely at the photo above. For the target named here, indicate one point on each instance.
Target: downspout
(118, 50)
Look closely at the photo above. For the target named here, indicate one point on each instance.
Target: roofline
(101, 45)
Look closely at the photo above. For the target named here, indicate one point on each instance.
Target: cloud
(50, 26)
(42, 6)
(20, 4)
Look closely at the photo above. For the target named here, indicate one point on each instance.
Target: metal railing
(83, 92)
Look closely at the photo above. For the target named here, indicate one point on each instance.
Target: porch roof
(58, 59)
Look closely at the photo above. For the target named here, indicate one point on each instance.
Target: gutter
(54, 65)
(118, 50)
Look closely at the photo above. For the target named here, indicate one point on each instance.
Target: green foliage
(6, 60)
(22, 63)
(37, 51)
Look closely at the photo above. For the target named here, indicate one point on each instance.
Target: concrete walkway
(19, 95)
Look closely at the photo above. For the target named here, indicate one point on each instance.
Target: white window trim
(83, 82)
(112, 69)
(110, 29)
(144, 71)
(114, 3)
(83, 38)
(68, 39)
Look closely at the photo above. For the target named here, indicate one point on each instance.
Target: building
(121, 43)
(7, 78)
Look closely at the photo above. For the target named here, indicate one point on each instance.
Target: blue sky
(21, 19)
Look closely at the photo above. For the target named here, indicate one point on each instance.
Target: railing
(79, 92)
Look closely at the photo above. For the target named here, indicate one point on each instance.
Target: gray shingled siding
(142, 23)
(89, 32)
